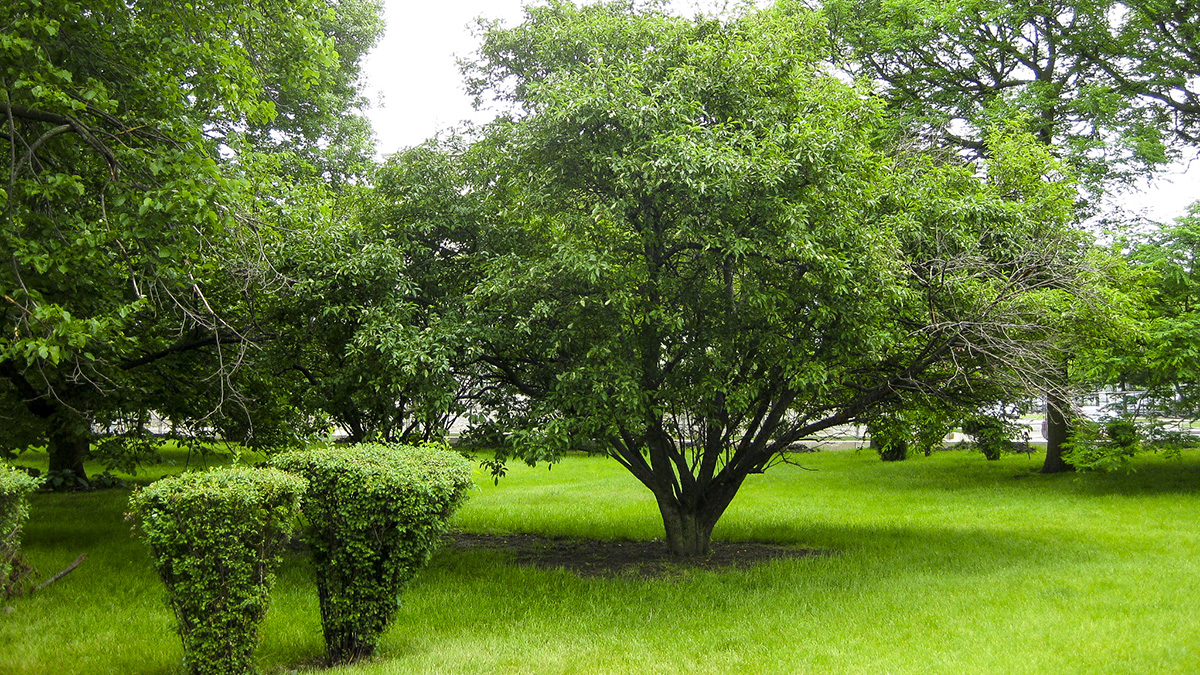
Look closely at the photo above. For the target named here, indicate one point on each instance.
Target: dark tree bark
(689, 519)
(68, 438)
(689, 531)
(1057, 429)
(67, 448)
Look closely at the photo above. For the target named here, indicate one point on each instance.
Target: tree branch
(186, 345)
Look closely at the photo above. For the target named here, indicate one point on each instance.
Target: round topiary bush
(15, 486)
(374, 515)
(216, 537)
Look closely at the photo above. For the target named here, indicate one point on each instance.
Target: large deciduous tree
(1157, 59)
(146, 147)
(370, 329)
(1105, 85)
(953, 68)
(712, 248)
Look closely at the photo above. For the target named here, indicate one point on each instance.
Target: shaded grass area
(946, 564)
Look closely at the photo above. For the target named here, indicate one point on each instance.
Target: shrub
(921, 427)
(890, 436)
(375, 514)
(215, 537)
(930, 428)
(993, 434)
(1124, 434)
(1108, 448)
(15, 486)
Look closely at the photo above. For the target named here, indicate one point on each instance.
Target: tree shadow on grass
(622, 557)
(495, 594)
(74, 520)
(893, 547)
(1146, 476)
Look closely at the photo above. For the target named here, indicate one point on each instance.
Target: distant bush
(1106, 447)
(15, 486)
(993, 434)
(216, 537)
(1124, 434)
(890, 436)
(375, 513)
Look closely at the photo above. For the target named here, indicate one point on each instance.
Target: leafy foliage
(374, 515)
(952, 69)
(992, 433)
(1092, 448)
(216, 537)
(1157, 56)
(15, 485)
(149, 148)
(1153, 361)
(706, 248)
(890, 436)
(687, 245)
(1164, 358)
(921, 425)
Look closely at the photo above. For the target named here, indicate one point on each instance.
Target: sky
(412, 77)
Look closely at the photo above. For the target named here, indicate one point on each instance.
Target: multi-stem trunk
(689, 520)
(343, 642)
(689, 530)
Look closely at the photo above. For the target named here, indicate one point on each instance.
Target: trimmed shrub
(15, 486)
(375, 514)
(216, 537)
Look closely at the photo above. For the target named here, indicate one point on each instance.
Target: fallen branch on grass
(70, 568)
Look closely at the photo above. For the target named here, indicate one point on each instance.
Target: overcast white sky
(413, 78)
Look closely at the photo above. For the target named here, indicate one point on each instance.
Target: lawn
(946, 564)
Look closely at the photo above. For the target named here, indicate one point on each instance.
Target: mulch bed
(596, 558)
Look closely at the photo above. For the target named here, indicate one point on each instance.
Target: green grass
(947, 564)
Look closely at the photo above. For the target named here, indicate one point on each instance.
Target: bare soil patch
(598, 558)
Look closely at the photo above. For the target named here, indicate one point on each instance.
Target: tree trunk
(1057, 429)
(69, 436)
(689, 529)
(68, 445)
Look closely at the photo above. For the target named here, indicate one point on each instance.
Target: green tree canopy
(705, 248)
(1161, 358)
(954, 68)
(146, 145)
(1107, 86)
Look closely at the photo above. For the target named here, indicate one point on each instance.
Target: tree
(1063, 68)
(144, 144)
(369, 328)
(1157, 58)
(953, 69)
(1159, 356)
(714, 249)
